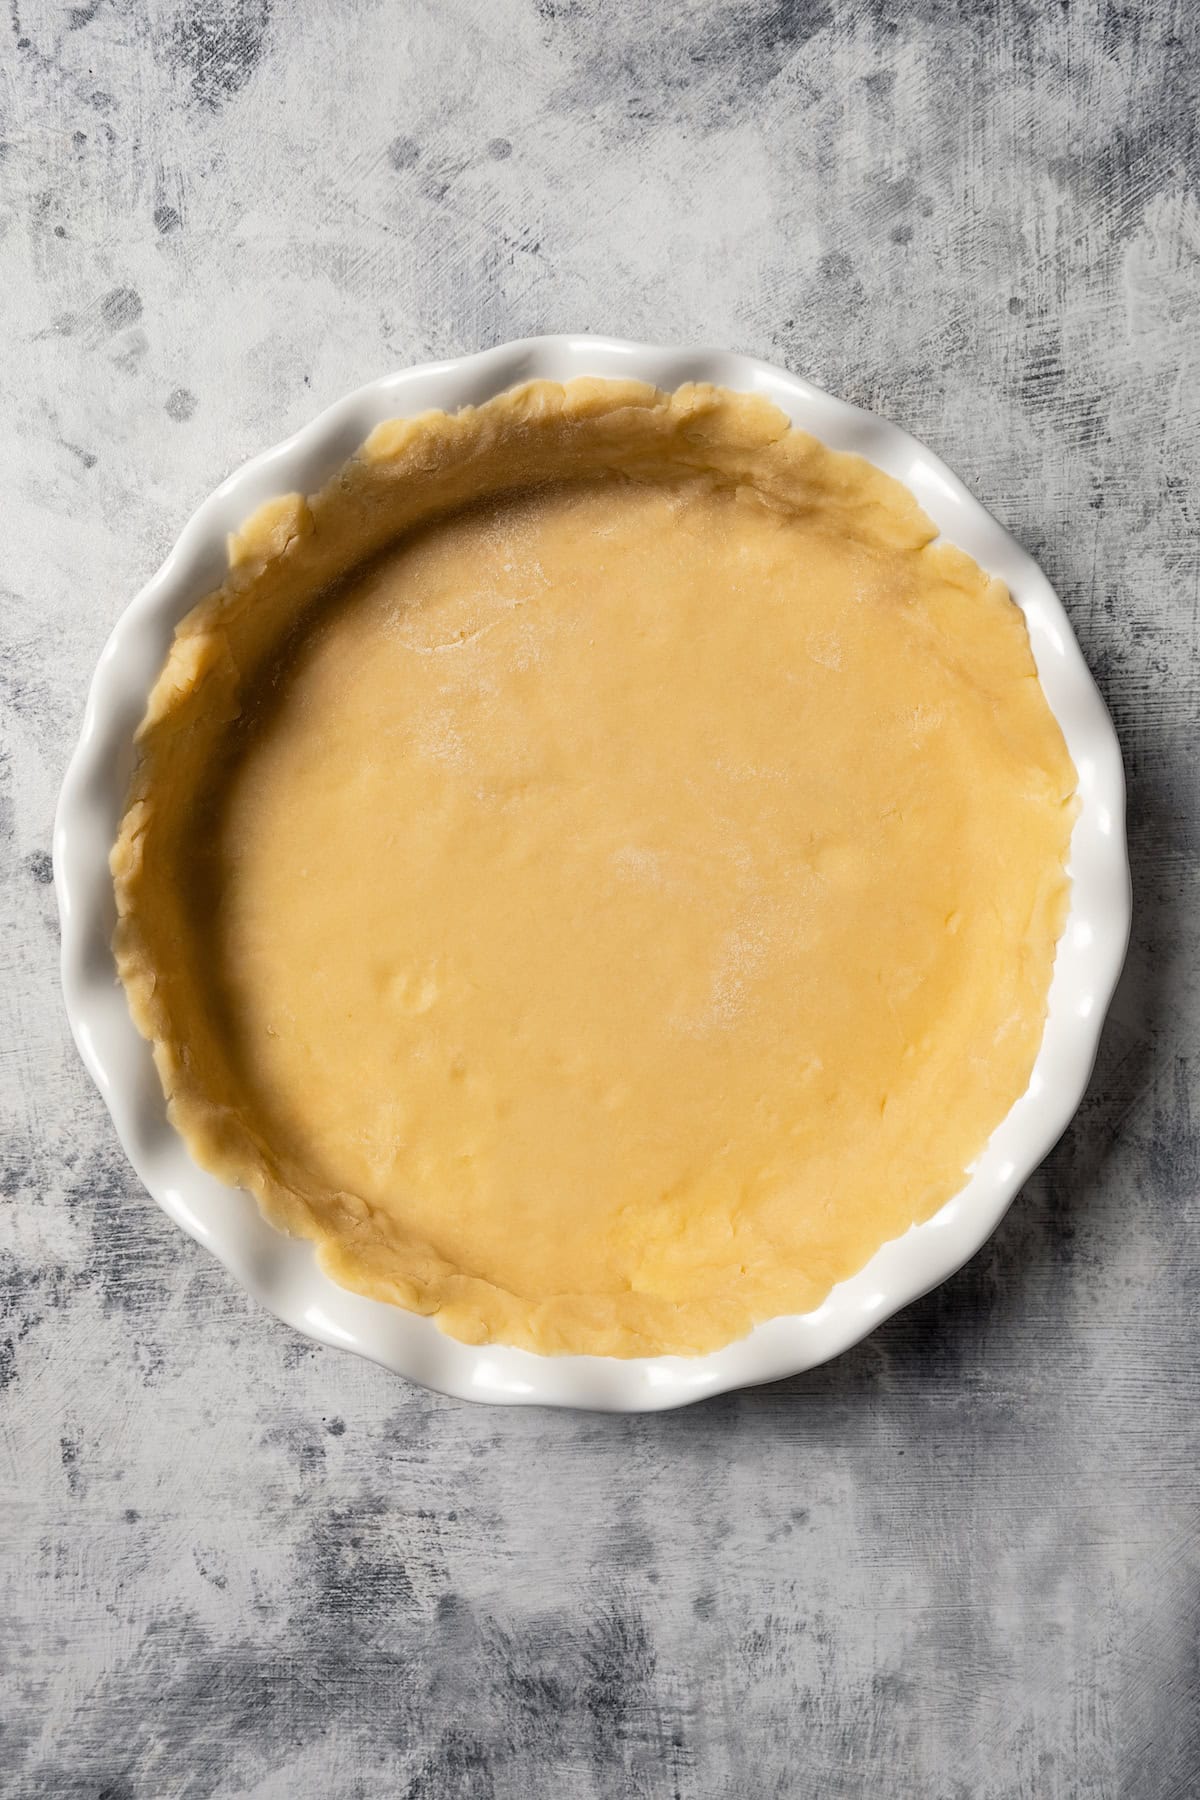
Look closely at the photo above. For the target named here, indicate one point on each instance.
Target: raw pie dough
(595, 868)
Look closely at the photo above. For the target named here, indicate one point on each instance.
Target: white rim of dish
(282, 1272)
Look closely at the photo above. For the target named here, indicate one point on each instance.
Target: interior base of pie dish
(487, 922)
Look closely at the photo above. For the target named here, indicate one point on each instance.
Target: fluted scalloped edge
(283, 1272)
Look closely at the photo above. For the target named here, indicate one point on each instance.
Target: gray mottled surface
(962, 1562)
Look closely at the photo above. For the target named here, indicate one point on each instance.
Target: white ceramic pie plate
(282, 1272)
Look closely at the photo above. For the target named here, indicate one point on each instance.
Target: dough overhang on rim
(595, 868)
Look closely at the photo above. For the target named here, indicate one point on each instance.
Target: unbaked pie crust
(595, 868)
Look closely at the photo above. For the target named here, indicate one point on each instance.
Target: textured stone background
(961, 1563)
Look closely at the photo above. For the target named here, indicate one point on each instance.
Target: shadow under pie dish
(595, 867)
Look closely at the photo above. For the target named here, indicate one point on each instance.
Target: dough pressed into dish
(595, 868)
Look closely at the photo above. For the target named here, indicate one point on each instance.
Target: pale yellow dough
(596, 867)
